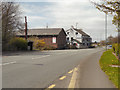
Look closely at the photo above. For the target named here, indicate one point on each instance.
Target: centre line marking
(63, 77)
(51, 86)
(8, 63)
(70, 71)
(41, 57)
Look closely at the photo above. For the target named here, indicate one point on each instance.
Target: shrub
(116, 49)
(40, 44)
(48, 47)
(18, 44)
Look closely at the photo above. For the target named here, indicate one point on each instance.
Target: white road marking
(8, 63)
(41, 57)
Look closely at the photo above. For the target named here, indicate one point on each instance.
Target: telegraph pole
(25, 27)
(106, 29)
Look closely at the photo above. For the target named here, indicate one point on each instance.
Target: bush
(40, 44)
(115, 48)
(18, 44)
(48, 47)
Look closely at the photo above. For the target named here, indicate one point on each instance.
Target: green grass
(113, 72)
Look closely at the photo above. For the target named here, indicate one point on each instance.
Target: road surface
(39, 69)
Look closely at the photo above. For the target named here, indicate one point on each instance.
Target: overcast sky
(66, 13)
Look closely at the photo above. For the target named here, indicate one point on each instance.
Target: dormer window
(68, 33)
(76, 33)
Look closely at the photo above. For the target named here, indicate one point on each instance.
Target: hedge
(18, 44)
(115, 48)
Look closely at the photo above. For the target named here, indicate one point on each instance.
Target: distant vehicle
(92, 47)
(110, 45)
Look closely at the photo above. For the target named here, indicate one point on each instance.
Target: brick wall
(48, 41)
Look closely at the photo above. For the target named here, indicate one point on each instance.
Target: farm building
(55, 37)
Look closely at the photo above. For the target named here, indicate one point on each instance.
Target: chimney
(72, 27)
(47, 25)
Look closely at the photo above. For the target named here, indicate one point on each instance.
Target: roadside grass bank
(106, 62)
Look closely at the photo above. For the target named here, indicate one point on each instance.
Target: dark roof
(42, 31)
(81, 32)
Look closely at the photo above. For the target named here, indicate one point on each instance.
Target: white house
(78, 38)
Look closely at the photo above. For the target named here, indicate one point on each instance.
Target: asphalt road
(90, 74)
(38, 69)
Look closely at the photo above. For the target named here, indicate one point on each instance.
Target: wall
(48, 40)
(61, 40)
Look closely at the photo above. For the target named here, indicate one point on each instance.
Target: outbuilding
(55, 37)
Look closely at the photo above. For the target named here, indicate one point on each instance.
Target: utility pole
(25, 27)
(106, 29)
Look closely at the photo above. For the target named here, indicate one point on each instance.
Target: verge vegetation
(17, 44)
(39, 44)
(109, 64)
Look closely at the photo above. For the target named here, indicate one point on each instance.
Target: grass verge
(113, 73)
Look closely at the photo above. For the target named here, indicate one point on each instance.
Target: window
(67, 32)
(68, 38)
(83, 39)
(76, 33)
(54, 40)
(71, 38)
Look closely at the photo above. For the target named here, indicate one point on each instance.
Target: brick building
(55, 37)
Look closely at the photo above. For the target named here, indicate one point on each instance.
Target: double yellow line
(72, 81)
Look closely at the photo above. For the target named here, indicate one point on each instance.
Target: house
(55, 37)
(78, 38)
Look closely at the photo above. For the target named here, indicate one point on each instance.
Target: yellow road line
(63, 77)
(51, 86)
(73, 79)
(70, 71)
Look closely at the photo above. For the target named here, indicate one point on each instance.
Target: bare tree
(11, 21)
